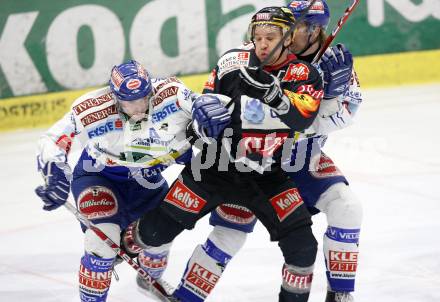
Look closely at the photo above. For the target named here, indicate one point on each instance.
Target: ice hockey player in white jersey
(134, 119)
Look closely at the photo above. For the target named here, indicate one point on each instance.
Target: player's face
(137, 109)
(266, 38)
(301, 38)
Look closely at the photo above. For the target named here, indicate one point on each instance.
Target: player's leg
(231, 225)
(299, 249)
(183, 205)
(98, 200)
(341, 240)
(324, 188)
(288, 221)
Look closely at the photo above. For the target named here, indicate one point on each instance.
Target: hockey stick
(146, 161)
(336, 30)
(159, 291)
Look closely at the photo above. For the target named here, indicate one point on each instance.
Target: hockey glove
(57, 188)
(259, 84)
(337, 65)
(209, 116)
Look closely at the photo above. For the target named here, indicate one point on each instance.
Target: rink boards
(374, 71)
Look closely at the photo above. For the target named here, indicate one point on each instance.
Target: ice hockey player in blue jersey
(131, 121)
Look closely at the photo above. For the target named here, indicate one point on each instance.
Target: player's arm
(53, 149)
(342, 92)
(295, 101)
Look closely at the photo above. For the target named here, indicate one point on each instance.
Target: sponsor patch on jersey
(99, 115)
(286, 203)
(295, 282)
(164, 94)
(235, 214)
(165, 81)
(65, 142)
(105, 128)
(305, 104)
(262, 143)
(97, 202)
(342, 261)
(232, 61)
(92, 102)
(310, 90)
(296, 72)
(202, 278)
(210, 83)
(165, 112)
(322, 166)
(182, 197)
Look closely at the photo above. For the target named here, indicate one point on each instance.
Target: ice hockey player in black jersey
(244, 154)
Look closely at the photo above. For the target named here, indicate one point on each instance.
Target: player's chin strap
(157, 289)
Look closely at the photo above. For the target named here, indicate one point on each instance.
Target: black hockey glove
(259, 84)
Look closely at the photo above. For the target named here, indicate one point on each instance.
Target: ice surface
(390, 156)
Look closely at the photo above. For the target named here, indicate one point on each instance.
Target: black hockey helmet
(272, 16)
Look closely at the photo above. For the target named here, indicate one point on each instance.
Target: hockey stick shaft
(336, 30)
(159, 290)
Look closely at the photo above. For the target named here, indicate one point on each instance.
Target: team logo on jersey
(202, 278)
(182, 197)
(343, 261)
(322, 166)
(97, 202)
(296, 72)
(235, 214)
(262, 143)
(305, 104)
(286, 203)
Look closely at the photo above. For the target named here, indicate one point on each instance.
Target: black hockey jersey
(258, 132)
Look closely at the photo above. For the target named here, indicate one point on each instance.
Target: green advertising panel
(48, 46)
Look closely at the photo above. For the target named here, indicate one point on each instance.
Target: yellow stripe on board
(373, 71)
(420, 67)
